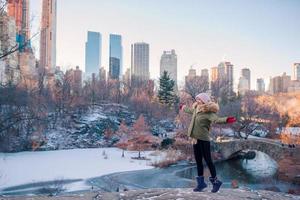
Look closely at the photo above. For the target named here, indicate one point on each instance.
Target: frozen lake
(73, 166)
(105, 169)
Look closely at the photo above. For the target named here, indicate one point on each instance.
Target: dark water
(258, 173)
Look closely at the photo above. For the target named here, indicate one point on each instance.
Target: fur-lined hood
(208, 107)
(203, 115)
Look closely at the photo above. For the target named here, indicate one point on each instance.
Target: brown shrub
(171, 157)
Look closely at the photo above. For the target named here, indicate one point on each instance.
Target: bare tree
(251, 115)
(16, 47)
(222, 90)
(138, 138)
(3, 4)
(19, 114)
(196, 85)
(123, 134)
(183, 143)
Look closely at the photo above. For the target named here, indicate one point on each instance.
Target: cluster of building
(18, 63)
(278, 84)
(222, 76)
(286, 83)
(139, 69)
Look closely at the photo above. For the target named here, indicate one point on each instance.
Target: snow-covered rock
(87, 130)
(162, 127)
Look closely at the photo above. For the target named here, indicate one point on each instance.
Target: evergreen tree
(166, 93)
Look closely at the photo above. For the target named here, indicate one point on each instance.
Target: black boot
(200, 184)
(216, 184)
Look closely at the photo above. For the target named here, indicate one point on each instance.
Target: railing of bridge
(261, 140)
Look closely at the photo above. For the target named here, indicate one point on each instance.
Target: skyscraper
(102, 74)
(279, 84)
(126, 77)
(115, 56)
(140, 61)
(214, 74)
(168, 62)
(19, 10)
(205, 77)
(243, 85)
(225, 73)
(48, 35)
(204, 73)
(92, 53)
(75, 78)
(296, 70)
(191, 77)
(192, 73)
(247, 74)
(260, 85)
(244, 81)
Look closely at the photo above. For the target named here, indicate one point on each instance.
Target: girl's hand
(230, 120)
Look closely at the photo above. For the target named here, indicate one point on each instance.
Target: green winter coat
(202, 118)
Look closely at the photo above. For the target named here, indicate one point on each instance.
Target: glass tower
(92, 53)
(115, 56)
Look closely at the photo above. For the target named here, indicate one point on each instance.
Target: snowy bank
(31, 167)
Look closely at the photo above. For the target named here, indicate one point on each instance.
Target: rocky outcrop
(170, 194)
(87, 130)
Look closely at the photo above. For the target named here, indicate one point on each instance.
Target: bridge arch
(288, 159)
(272, 148)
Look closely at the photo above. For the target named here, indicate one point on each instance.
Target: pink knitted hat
(204, 97)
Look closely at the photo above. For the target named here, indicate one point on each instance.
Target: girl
(204, 114)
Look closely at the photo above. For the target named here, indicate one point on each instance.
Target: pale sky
(260, 35)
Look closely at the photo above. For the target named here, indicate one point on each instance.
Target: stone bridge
(288, 159)
(273, 148)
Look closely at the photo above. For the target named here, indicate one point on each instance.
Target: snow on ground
(230, 132)
(95, 115)
(29, 167)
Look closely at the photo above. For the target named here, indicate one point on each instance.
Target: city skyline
(262, 41)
